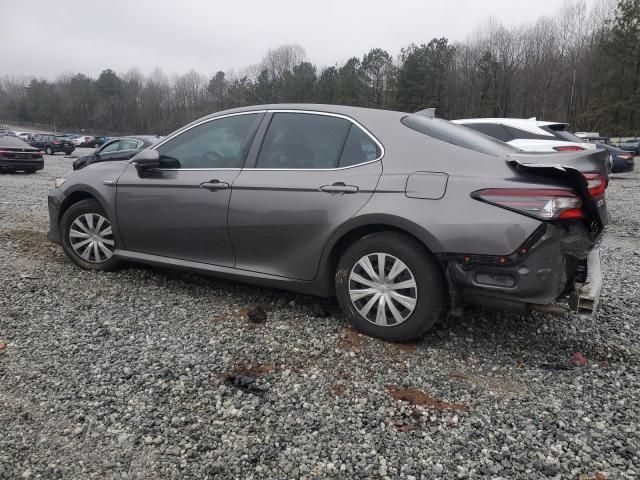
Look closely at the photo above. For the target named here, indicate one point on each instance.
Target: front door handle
(214, 185)
(339, 187)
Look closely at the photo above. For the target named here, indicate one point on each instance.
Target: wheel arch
(83, 192)
(360, 227)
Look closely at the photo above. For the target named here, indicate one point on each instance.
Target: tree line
(580, 65)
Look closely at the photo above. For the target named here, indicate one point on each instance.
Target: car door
(37, 142)
(312, 172)
(180, 209)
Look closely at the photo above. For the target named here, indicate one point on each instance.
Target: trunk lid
(569, 169)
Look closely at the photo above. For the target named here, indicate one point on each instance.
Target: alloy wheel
(91, 238)
(383, 289)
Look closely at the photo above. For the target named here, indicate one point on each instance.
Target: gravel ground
(121, 375)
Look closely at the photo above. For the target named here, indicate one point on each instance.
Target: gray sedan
(402, 217)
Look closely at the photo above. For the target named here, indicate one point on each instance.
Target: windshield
(458, 135)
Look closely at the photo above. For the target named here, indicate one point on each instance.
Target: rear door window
(111, 147)
(129, 144)
(303, 141)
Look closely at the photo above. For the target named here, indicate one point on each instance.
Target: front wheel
(48, 151)
(390, 286)
(87, 236)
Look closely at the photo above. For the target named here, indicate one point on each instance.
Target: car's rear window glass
(359, 148)
(303, 141)
(494, 130)
(458, 135)
(559, 132)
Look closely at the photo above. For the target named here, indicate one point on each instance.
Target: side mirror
(146, 160)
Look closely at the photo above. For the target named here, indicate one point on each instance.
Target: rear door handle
(339, 187)
(214, 185)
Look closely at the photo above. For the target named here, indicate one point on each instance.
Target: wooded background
(580, 65)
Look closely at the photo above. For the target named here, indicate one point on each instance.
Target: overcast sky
(45, 38)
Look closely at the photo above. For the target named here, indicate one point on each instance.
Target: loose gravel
(123, 375)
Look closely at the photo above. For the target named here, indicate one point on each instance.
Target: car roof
(360, 112)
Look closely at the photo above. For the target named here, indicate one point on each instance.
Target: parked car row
(18, 155)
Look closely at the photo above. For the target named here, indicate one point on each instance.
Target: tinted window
(302, 140)
(458, 135)
(129, 144)
(494, 130)
(110, 147)
(358, 148)
(218, 143)
(559, 132)
(524, 135)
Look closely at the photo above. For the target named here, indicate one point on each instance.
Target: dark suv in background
(51, 143)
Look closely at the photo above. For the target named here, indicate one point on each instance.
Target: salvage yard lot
(121, 375)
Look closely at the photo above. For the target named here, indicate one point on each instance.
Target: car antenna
(427, 112)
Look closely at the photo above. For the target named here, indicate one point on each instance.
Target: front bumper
(555, 267)
(53, 202)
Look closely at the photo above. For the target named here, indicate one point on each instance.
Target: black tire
(428, 275)
(48, 151)
(30, 170)
(75, 211)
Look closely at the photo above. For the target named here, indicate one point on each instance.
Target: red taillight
(567, 148)
(56, 143)
(596, 184)
(542, 203)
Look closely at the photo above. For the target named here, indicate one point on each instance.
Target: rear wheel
(390, 286)
(48, 151)
(87, 236)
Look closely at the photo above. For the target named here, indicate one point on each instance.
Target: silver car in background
(402, 217)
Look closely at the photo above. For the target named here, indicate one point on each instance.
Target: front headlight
(59, 181)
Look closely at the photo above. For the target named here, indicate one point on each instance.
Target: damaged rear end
(560, 261)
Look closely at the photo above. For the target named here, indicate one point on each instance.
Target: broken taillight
(596, 184)
(542, 203)
(567, 148)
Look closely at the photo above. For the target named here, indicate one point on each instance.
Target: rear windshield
(458, 135)
(559, 132)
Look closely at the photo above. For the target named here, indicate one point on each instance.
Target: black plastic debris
(558, 366)
(244, 383)
(257, 315)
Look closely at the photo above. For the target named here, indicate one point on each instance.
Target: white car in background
(82, 141)
(24, 136)
(529, 135)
